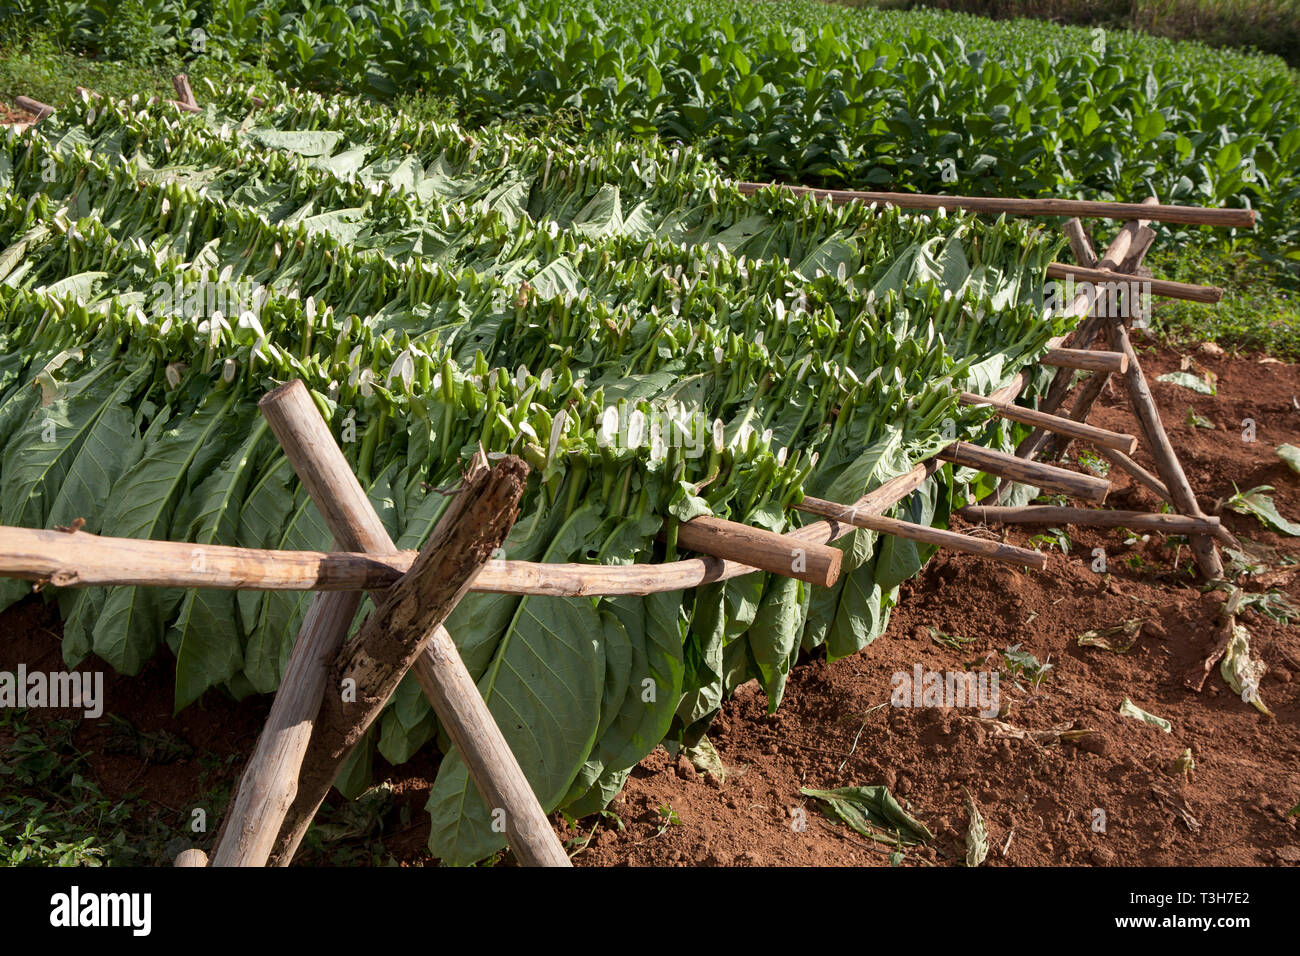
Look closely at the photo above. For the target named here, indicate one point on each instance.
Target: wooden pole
(1080, 244)
(184, 92)
(191, 857)
(767, 550)
(348, 514)
(1207, 294)
(1047, 477)
(1092, 360)
(1051, 514)
(996, 550)
(1139, 474)
(269, 784)
(35, 107)
(1054, 423)
(1167, 464)
(1187, 215)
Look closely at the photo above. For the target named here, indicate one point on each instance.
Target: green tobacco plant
(656, 345)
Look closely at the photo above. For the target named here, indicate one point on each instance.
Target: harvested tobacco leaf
(872, 812)
(1129, 709)
(704, 758)
(1242, 672)
(977, 834)
(1001, 730)
(1119, 638)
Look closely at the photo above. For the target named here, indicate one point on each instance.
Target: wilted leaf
(1291, 455)
(977, 834)
(872, 812)
(1255, 502)
(704, 758)
(1119, 638)
(1196, 421)
(1129, 709)
(1242, 672)
(1187, 380)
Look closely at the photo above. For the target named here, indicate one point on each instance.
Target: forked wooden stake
(410, 616)
(184, 91)
(324, 472)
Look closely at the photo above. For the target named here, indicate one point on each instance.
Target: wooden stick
(767, 550)
(1005, 553)
(1092, 360)
(411, 615)
(1167, 464)
(460, 708)
(1187, 215)
(1108, 278)
(1116, 253)
(1142, 240)
(1140, 474)
(1054, 423)
(1058, 446)
(269, 784)
(1080, 244)
(35, 107)
(191, 857)
(1047, 477)
(1051, 514)
(184, 91)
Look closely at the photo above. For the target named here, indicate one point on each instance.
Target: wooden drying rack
(309, 733)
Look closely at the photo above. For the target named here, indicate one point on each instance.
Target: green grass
(39, 67)
(52, 813)
(1260, 311)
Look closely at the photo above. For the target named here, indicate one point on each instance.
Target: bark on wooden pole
(772, 552)
(1048, 477)
(1052, 514)
(995, 550)
(348, 514)
(1206, 294)
(1054, 423)
(1080, 244)
(184, 92)
(1090, 360)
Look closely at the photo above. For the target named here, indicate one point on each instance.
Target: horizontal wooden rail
(1208, 294)
(996, 550)
(35, 107)
(762, 549)
(1055, 423)
(1051, 514)
(1091, 360)
(1036, 473)
(1186, 215)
